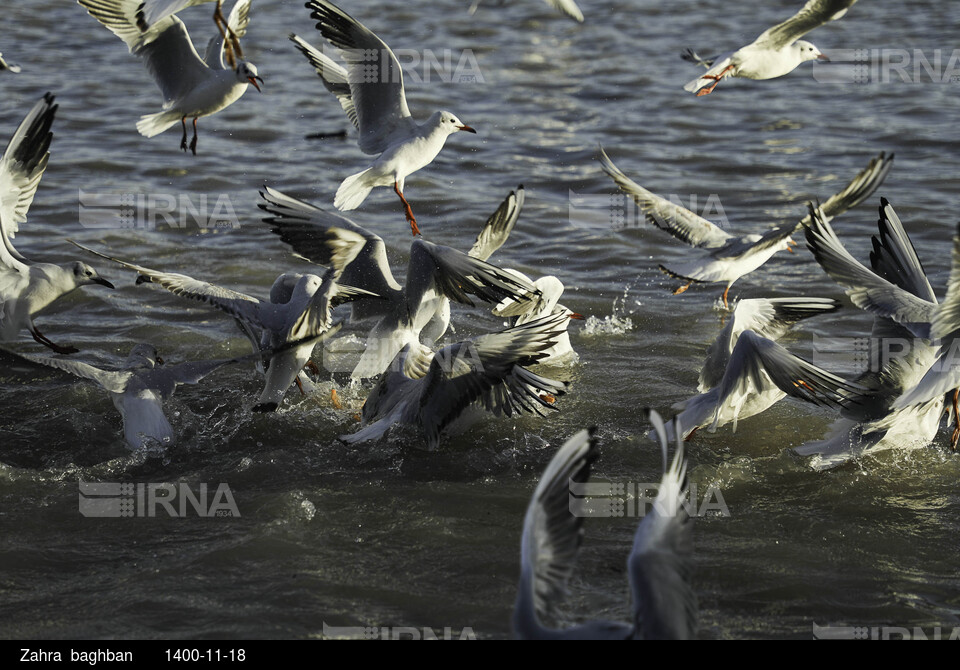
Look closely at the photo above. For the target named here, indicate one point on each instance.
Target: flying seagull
(377, 106)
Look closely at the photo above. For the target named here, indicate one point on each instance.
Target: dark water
(386, 534)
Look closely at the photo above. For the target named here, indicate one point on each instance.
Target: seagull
(767, 317)
(431, 390)
(720, 256)
(898, 293)
(191, 87)
(299, 309)
(567, 7)
(376, 105)
(776, 52)
(943, 375)
(659, 566)
(418, 312)
(551, 289)
(4, 65)
(139, 389)
(27, 287)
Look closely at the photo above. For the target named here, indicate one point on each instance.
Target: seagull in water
(4, 65)
(431, 390)
(766, 317)
(376, 105)
(418, 312)
(720, 256)
(299, 309)
(778, 50)
(874, 415)
(659, 566)
(27, 287)
(551, 290)
(139, 389)
(191, 87)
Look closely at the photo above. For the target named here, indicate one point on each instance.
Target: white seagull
(139, 389)
(4, 65)
(431, 390)
(898, 293)
(191, 86)
(776, 52)
(551, 290)
(720, 256)
(377, 106)
(27, 287)
(419, 311)
(299, 309)
(659, 567)
(767, 317)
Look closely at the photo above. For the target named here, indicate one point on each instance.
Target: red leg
(956, 421)
(682, 288)
(407, 210)
(725, 304)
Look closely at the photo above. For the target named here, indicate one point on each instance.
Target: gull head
(84, 275)
(451, 124)
(247, 72)
(143, 356)
(808, 51)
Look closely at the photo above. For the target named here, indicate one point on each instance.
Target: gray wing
(866, 289)
(767, 317)
(859, 189)
(238, 305)
(499, 226)
(150, 11)
(166, 47)
(552, 534)
(456, 275)
(813, 15)
(660, 565)
(335, 79)
(754, 355)
(381, 105)
(238, 22)
(331, 240)
(665, 215)
(21, 168)
(462, 373)
(946, 324)
(114, 382)
(894, 257)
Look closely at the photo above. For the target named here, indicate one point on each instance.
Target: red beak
(467, 128)
(253, 80)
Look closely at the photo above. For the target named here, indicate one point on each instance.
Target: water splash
(616, 323)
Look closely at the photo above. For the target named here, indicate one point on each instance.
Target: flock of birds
(437, 388)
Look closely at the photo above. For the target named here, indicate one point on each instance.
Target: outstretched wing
(499, 226)
(379, 100)
(661, 562)
(114, 382)
(166, 47)
(335, 79)
(552, 534)
(331, 240)
(21, 169)
(238, 305)
(813, 15)
(665, 215)
(866, 289)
